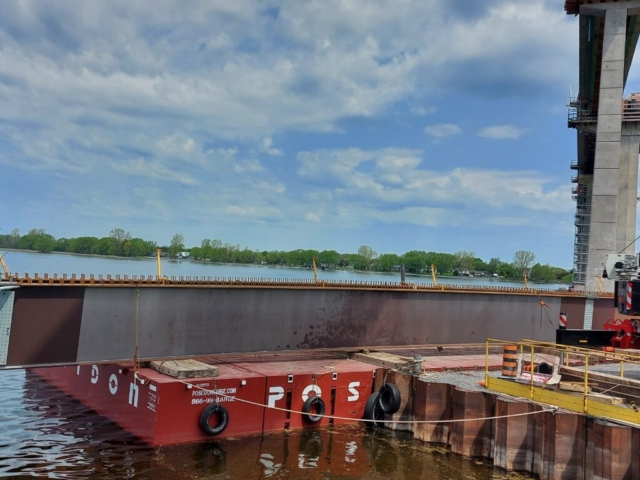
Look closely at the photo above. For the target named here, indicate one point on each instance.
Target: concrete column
(628, 190)
(605, 221)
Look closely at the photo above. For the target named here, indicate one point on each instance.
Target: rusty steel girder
(83, 323)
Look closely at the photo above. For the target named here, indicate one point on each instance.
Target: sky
(435, 125)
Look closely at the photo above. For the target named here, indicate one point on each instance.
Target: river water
(31, 263)
(45, 433)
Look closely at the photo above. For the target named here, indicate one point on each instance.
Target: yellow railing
(535, 351)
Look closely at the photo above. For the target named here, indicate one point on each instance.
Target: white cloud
(267, 145)
(422, 111)
(154, 169)
(313, 217)
(500, 132)
(317, 64)
(184, 100)
(513, 221)
(443, 130)
(360, 176)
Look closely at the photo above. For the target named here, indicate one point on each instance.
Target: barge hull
(164, 410)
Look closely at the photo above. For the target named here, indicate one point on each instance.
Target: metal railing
(533, 352)
(582, 112)
(222, 282)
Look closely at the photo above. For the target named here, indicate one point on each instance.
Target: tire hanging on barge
(205, 416)
(389, 398)
(308, 406)
(372, 411)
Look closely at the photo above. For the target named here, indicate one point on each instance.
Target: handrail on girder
(222, 282)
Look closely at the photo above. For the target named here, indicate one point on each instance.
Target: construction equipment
(4, 267)
(158, 251)
(624, 270)
(315, 270)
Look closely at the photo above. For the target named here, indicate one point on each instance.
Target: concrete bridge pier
(608, 138)
(616, 157)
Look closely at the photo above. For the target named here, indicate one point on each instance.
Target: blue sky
(431, 125)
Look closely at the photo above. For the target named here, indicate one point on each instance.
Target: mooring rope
(335, 417)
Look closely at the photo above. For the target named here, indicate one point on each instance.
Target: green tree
(230, 252)
(542, 273)
(245, 256)
(82, 244)
(494, 265)
(415, 261)
(328, 257)
(444, 262)
(44, 243)
(104, 246)
(386, 262)
(139, 248)
(507, 270)
(368, 255)
(358, 262)
(464, 260)
(177, 245)
(523, 259)
(120, 239)
(560, 273)
(479, 265)
(62, 245)
(14, 238)
(28, 241)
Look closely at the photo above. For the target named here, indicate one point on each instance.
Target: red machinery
(617, 333)
(626, 333)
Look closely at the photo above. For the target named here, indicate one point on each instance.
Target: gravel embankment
(467, 380)
(631, 370)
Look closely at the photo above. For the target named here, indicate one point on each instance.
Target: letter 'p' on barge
(249, 394)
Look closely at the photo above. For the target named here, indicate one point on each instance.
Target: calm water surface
(24, 262)
(45, 433)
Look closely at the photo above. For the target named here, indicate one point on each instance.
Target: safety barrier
(225, 282)
(590, 392)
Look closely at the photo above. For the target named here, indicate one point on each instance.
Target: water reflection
(45, 433)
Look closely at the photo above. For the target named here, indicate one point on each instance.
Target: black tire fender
(205, 416)
(309, 404)
(372, 411)
(389, 398)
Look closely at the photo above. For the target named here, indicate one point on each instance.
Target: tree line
(120, 243)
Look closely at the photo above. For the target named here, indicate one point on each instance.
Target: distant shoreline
(390, 274)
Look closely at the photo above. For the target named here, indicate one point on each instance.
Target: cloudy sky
(432, 125)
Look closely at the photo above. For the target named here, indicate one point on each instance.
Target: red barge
(259, 393)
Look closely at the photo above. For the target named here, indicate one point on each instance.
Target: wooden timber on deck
(185, 368)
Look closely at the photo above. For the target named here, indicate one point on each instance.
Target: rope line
(335, 417)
